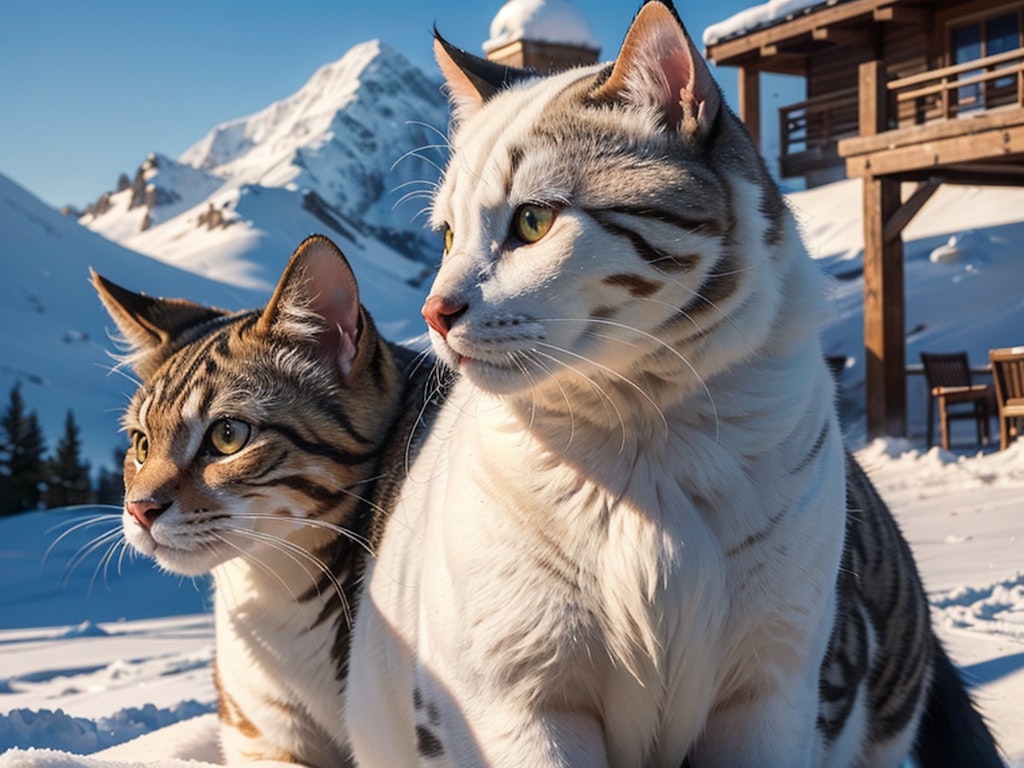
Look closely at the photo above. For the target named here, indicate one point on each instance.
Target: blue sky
(87, 90)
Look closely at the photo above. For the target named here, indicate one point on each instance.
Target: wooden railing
(816, 124)
(809, 129)
(941, 94)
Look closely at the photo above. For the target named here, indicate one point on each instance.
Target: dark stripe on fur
(721, 283)
(645, 250)
(707, 227)
(638, 287)
(325, 450)
(812, 454)
(773, 207)
(427, 744)
(758, 536)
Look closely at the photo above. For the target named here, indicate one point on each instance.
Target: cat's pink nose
(146, 511)
(440, 313)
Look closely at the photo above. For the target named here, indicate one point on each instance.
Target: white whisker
(443, 136)
(415, 153)
(606, 398)
(83, 553)
(77, 526)
(675, 352)
(257, 563)
(299, 554)
(313, 522)
(611, 371)
(697, 295)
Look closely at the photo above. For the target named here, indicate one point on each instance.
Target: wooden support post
(874, 99)
(884, 341)
(750, 102)
(896, 223)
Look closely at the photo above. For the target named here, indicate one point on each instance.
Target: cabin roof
(759, 17)
(777, 36)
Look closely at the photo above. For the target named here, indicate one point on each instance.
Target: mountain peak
(250, 146)
(341, 152)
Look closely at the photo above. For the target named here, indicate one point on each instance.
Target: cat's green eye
(228, 436)
(532, 222)
(140, 444)
(449, 238)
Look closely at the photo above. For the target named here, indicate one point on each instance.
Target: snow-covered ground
(96, 651)
(88, 684)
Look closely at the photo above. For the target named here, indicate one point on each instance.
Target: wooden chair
(1008, 375)
(950, 386)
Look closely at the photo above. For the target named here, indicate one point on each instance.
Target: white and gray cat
(633, 536)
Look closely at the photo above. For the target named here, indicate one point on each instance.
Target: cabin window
(980, 39)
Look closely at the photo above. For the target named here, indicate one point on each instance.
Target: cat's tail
(952, 733)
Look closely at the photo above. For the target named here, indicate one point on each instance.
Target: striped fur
(283, 523)
(633, 536)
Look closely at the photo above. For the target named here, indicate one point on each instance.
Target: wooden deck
(963, 124)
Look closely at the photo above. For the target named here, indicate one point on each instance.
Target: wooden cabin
(896, 92)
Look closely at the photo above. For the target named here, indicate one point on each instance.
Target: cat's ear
(318, 281)
(660, 66)
(471, 81)
(148, 324)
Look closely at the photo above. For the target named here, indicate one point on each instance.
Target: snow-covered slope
(57, 341)
(346, 154)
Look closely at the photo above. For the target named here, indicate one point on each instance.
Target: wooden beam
(749, 94)
(977, 124)
(842, 36)
(736, 48)
(785, 64)
(1006, 176)
(897, 222)
(873, 117)
(1006, 145)
(902, 14)
(988, 174)
(884, 314)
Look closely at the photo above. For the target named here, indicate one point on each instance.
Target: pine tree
(110, 482)
(21, 457)
(67, 476)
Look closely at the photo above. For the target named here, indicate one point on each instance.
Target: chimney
(545, 35)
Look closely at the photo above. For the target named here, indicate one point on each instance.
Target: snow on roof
(551, 21)
(764, 15)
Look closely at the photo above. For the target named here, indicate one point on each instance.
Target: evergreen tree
(110, 483)
(67, 476)
(21, 457)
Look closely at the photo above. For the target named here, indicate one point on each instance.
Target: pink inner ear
(659, 64)
(670, 50)
(464, 96)
(334, 296)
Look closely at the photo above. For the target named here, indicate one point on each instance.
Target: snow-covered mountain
(346, 154)
(56, 340)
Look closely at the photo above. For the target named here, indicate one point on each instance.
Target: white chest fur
(528, 594)
(279, 690)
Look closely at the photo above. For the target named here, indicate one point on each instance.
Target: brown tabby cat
(256, 438)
